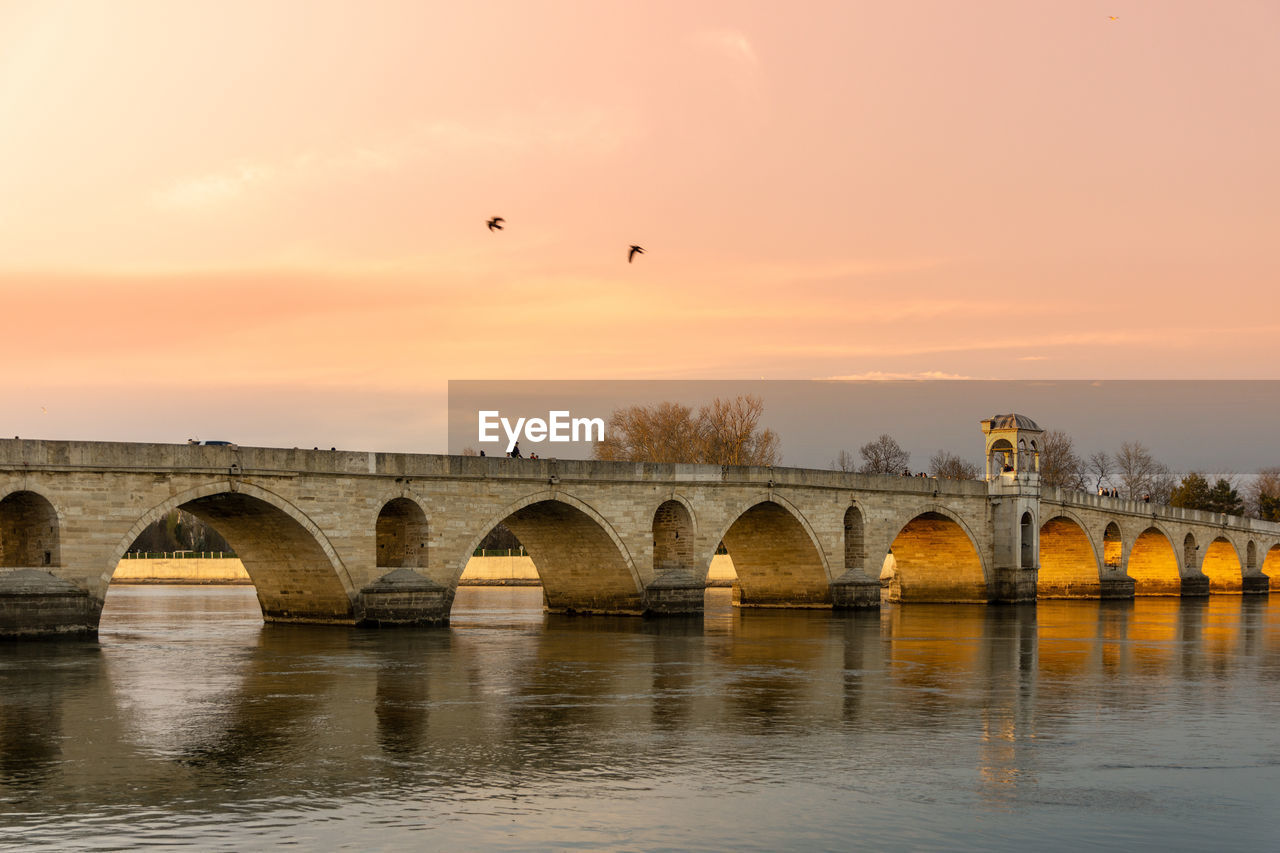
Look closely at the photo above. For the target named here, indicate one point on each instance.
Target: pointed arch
(1153, 564)
(1027, 541)
(674, 536)
(935, 558)
(401, 534)
(777, 556)
(855, 547)
(30, 531)
(1112, 546)
(1069, 565)
(294, 568)
(582, 562)
(1271, 565)
(1221, 565)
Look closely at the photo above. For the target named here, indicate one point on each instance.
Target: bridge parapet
(1125, 506)
(344, 537)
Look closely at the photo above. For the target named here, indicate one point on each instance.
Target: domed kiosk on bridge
(1013, 445)
(1013, 483)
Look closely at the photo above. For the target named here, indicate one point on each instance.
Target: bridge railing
(499, 552)
(1155, 510)
(180, 555)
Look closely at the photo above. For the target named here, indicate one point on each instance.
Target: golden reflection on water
(192, 697)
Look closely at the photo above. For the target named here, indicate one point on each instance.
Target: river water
(1152, 724)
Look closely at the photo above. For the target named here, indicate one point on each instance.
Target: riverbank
(480, 571)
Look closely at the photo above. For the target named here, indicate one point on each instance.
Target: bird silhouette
(635, 250)
(1113, 17)
(495, 224)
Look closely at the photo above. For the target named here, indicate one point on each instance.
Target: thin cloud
(883, 376)
(421, 146)
(730, 43)
(212, 188)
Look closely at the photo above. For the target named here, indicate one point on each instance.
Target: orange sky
(277, 209)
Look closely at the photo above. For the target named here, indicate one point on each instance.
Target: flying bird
(495, 224)
(1113, 17)
(635, 250)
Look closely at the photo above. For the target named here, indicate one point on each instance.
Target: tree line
(728, 432)
(179, 531)
(1132, 471)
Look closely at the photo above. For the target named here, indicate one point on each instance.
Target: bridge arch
(1271, 564)
(1112, 547)
(401, 535)
(30, 531)
(1153, 564)
(776, 555)
(1027, 541)
(1068, 560)
(935, 559)
(1222, 566)
(855, 540)
(1190, 550)
(674, 535)
(294, 568)
(582, 562)
(1251, 558)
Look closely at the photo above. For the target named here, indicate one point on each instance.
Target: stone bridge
(350, 538)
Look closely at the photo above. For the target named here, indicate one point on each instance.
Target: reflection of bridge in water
(272, 708)
(380, 538)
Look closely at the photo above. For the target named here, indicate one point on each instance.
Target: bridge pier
(1015, 585)
(1196, 586)
(403, 598)
(1116, 587)
(34, 603)
(675, 594)
(1255, 585)
(855, 591)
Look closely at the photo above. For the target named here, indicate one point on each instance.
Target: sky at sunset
(265, 221)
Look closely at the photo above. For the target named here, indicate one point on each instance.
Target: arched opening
(581, 566)
(777, 563)
(1027, 536)
(935, 560)
(1271, 566)
(1068, 566)
(1251, 557)
(1112, 546)
(855, 552)
(1153, 565)
(28, 532)
(401, 535)
(292, 571)
(672, 539)
(999, 458)
(1189, 549)
(1222, 566)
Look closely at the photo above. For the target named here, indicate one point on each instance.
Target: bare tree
(1060, 467)
(724, 432)
(1136, 468)
(666, 432)
(470, 451)
(947, 466)
(1262, 497)
(845, 461)
(730, 433)
(1099, 468)
(1163, 482)
(883, 456)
